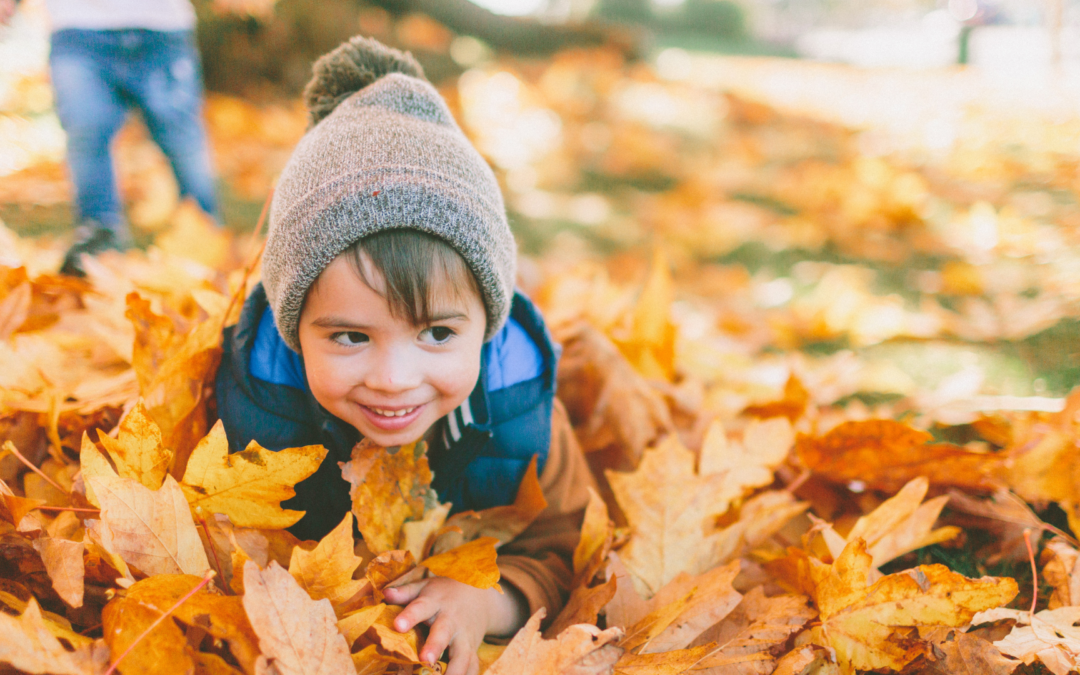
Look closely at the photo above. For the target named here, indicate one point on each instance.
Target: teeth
(394, 413)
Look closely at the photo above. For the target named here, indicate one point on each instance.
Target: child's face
(388, 378)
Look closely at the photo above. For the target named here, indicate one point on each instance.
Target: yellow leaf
(247, 486)
(388, 488)
(748, 637)
(327, 570)
(298, 635)
(400, 645)
(356, 624)
(473, 563)
(650, 344)
(137, 451)
(597, 532)
(871, 626)
(151, 530)
(93, 464)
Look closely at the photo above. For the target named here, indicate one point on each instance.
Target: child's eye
(436, 335)
(349, 338)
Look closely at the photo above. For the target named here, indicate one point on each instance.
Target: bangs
(420, 272)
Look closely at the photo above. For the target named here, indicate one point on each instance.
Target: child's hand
(459, 615)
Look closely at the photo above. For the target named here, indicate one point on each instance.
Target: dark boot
(92, 238)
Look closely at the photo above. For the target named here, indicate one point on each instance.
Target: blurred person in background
(108, 57)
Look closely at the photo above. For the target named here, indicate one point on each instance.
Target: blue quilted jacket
(486, 444)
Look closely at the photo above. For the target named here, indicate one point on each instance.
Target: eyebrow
(341, 322)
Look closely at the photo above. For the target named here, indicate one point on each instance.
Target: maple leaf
(792, 405)
(64, 562)
(663, 663)
(124, 621)
(671, 510)
(297, 635)
(416, 535)
(1051, 636)
(579, 650)
(16, 507)
(472, 563)
(327, 570)
(29, 646)
(713, 597)
(401, 647)
(137, 451)
(224, 542)
(649, 344)
(751, 463)
(388, 488)
(900, 524)
(960, 653)
(868, 625)
(151, 530)
(353, 625)
(247, 486)
(746, 638)
(886, 455)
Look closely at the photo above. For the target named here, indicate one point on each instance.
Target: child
(387, 311)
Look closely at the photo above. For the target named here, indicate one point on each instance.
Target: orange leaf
(388, 488)
(64, 562)
(473, 563)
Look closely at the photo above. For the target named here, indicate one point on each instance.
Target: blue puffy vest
(486, 443)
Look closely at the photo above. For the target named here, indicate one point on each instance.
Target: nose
(393, 369)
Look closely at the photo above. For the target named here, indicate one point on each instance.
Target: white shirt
(164, 15)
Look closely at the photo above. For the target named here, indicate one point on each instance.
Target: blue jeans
(98, 75)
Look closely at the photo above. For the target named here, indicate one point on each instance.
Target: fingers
(401, 595)
(417, 611)
(463, 658)
(442, 631)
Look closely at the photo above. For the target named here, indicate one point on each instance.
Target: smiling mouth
(392, 413)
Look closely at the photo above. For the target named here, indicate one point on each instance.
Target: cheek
(455, 377)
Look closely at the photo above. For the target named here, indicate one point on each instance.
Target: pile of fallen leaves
(762, 506)
(775, 538)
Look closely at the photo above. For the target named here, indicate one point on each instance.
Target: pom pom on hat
(352, 66)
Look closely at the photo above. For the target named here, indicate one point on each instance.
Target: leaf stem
(210, 574)
(67, 508)
(213, 550)
(10, 447)
(1034, 573)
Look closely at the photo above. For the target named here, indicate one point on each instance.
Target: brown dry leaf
(757, 520)
(1061, 569)
(746, 639)
(961, 653)
(225, 542)
(29, 646)
(792, 405)
(713, 598)
(16, 508)
(672, 511)
(900, 524)
(151, 530)
(388, 488)
(175, 373)
(870, 626)
(504, 523)
(1051, 636)
(327, 570)
(137, 451)
(388, 567)
(64, 562)
(473, 563)
(665, 663)
(99, 541)
(297, 635)
(579, 650)
(93, 464)
(356, 624)
(583, 606)
(247, 486)
(627, 607)
(613, 409)
(654, 623)
(1010, 516)
(886, 454)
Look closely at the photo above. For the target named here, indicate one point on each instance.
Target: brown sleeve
(539, 562)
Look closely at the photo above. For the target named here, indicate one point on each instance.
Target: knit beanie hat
(383, 152)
